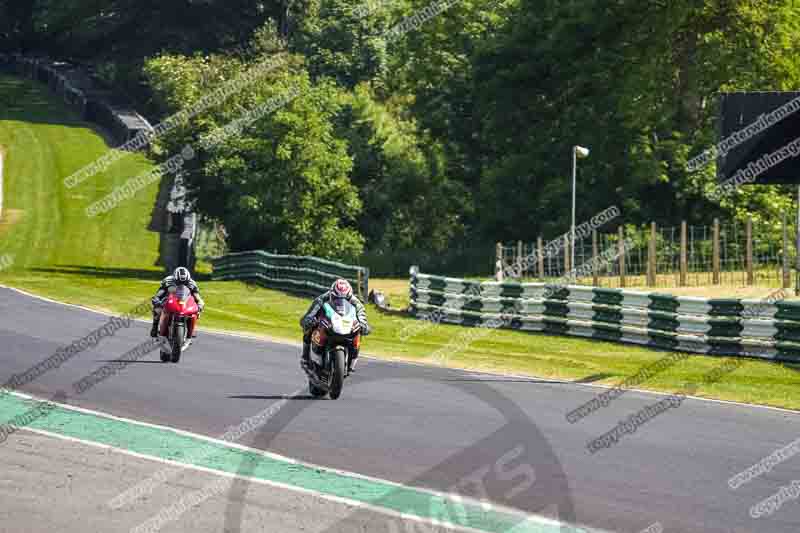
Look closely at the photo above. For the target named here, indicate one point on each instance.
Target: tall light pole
(577, 151)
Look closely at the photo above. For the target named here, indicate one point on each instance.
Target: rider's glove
(365, 329)
(156, 301)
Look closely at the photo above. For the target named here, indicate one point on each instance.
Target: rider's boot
(304, 359)
(156, 321)
(351, 365)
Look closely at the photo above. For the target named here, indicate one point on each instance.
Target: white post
(797, 249)
(577, 151)
(574, 173)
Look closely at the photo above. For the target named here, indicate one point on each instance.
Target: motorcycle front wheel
(316, 392)
(178, 338)
(337, 377)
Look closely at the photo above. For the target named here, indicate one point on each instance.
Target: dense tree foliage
(456, 134)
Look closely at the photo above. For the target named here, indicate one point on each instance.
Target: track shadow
(271, 397)
(593, 378)
(104, 272)
(127, 362)
(504, 380)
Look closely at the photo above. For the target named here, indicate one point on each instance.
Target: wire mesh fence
(210, 241)
(733, 254)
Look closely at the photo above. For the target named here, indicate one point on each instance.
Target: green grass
(44, 223)
(237, 307)
(107, 263)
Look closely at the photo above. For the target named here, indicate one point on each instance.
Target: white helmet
(341, 289)
(182, 275)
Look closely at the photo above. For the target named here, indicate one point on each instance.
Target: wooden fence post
(595, 277)
(498, 252)
(519, 259)
(540, 247)
(715, 253)
(785, 253)
(621, 249)
(651, 257)
(567, 266)
(749, 250)
(684, 265)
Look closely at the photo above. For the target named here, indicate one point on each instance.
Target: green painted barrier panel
(788, 311)
(606, 332)
(558, 309)
(609, 316)
(607, 296)
(725, 307)
(788, 351)
(663, 302)
(721, 327)
(662, 324)
(787, 331)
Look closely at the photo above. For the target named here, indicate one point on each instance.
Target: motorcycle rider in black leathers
(180, 276)
(340, 289)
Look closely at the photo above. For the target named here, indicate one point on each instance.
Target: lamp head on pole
(581, 152)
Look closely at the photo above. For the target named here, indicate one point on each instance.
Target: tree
(282, 183)
(410, 202)
(635, 81)
(340, 42)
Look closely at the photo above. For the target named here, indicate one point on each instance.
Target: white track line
(450, 496)
(411, 363)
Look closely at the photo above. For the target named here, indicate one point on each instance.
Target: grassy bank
(44, 223)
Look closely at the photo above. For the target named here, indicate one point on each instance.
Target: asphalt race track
(432, 428)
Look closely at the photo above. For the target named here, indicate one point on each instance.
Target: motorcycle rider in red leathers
(340, 289)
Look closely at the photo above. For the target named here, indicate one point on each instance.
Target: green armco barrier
(663, 302)
(724, 327)
(728, 307)
(724, 346)
(294, 273)
(607, 296)
(787, 331)
(788, 351)
(608, 315)
(556, 308)
(664, 324)
(659, 339)
(607, 332)
(788, 311)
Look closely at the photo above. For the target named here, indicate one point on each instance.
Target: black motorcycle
(335, 341)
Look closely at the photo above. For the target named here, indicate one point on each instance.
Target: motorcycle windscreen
(182, 293)
(342, 307)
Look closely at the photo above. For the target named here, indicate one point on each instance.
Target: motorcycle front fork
(163, 326)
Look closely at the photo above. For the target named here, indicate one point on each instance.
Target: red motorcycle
(177, 323)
